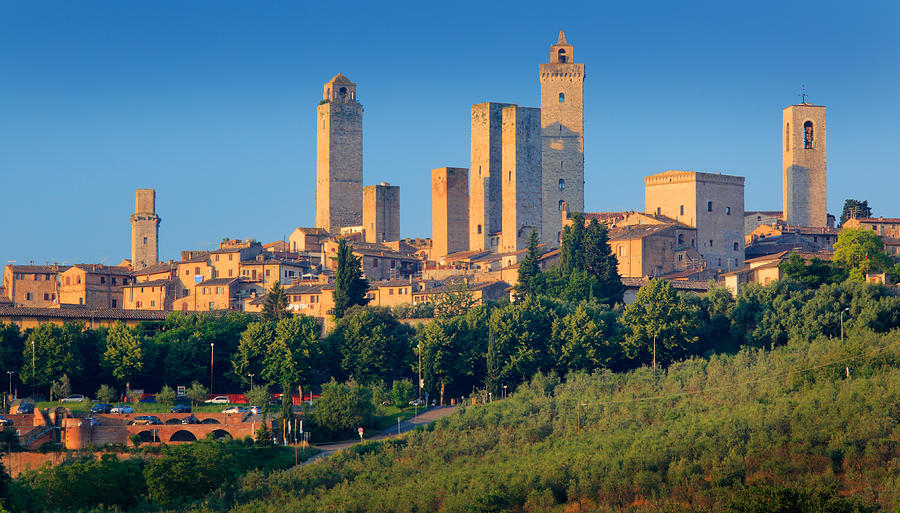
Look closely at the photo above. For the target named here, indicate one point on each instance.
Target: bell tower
(144, 230)
(339, 192)
(803, 160)
(562, 137)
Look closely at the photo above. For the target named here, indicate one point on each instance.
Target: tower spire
(562, 38)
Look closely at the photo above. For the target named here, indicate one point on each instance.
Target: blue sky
(213, 105)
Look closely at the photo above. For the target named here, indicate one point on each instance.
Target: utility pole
(654, 351)
(419, 347)
(842, 323)
(32, 369)
(212, 350)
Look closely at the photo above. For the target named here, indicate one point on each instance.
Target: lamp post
(504, 391)
(32, 369)
(654, 351)
(251, 381)
(10, 382)
(212, 351)
(419, 383)
(842, 323)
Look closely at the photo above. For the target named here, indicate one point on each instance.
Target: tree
(251, 354)
(197, 393)
(343, 407)
(659, 314)
(402, 391)
(861, 251)
(276, 303)
(528, 267)
(166, 395)
(585, 249)
(455, 299)
(571, 254)
(61, 388)
(259, 395)
(812, 273)
(349, 285)
(189, 471)
(295, 354)
(106, 394)
(855, 209)
(373, 345)
(518, 342)
(55, 354)
(600, 263)
(12, 347)
(124, 354)
(584, 340)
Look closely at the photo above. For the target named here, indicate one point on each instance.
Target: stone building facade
(803, 159)
(449, 211)
(339, 157)
(521, 179)
(94, 285)
(381, 212)
(32, 285)
(485, 210)
(711, 203)
(562, 146)
(144, 230)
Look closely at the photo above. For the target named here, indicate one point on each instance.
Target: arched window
(727, 211)
(343, 92)
(562, 55)
(680, 239)
(562, 184)
(709, 206)
(562, 97)
(735, 246)
(787, 137)
(479, 229)
(808, 135)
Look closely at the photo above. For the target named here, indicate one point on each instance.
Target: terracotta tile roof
(38, 268)
(638, 231)
(694, 286)
(876, 220)
(105, 269)
(83, 313)
(160, 267)
(217, 281)
(155, 283)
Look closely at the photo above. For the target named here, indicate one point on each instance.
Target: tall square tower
(562, 125)
(711, 203)
(449, 211)
(144, 230)
(803, 161)
(485, 211)
(521, 178)
(381, 212)
(339, 157)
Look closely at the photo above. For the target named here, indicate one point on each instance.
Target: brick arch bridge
(115, 429)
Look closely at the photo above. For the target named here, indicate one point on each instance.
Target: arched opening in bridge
(221, 434)
(183, 436)
(210, 421)
(150, 435)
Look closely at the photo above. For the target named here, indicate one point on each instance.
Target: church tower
(562, 137)
(144, 230)
(803, 159)
(339, 157)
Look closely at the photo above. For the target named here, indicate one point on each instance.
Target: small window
(562, 184)
(681, 210)
(787, 137)
(562, 97)
(103, 279)
(710, 244)
(727, 211)
(145, 240)
(808, 135)
(735, 246)
(115, 303)
(268, 272)
(509, 175)
(659, 211)
(561, 54)
(680, 239)
(113, 280)
(152, 303)
(196, 270)
(479, 229)
(46, 296)
(709, 206)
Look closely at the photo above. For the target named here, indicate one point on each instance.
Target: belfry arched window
(562, 55)
(808, 135)
(562, 97)
(343, 92)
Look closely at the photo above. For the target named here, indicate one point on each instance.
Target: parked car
(256, 410)
(122, 409)
(145, 420)
(219, 399)
(101, 408)
(74, 398)
(417, 402)
(235, 409)
(5, 421)
(23, 409)
(190, 419)
(181, 408)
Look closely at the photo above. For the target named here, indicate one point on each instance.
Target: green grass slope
(782, 430)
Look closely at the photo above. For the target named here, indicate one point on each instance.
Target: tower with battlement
(485, 208)
(144, 230)
(339, 157)
(381, 212)
(803, 162)
(562, 136)
(521, 177)
(449, 211)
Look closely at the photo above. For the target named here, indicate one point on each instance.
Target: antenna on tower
(802, 94)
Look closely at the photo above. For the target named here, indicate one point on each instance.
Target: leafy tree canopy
(861, 251)
(855, 209)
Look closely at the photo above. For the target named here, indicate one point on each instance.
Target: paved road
(407, 425)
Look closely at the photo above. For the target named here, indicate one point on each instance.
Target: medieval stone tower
(485, 208)
(381, 212)
(521, 179)
(803, 159)
(339, 157)
(144, 230)
(562, 145)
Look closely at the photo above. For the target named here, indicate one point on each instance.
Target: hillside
(727, 433)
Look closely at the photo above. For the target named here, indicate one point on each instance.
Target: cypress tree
(349, 285)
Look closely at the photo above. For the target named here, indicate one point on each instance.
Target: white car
(256, 410)
(219, 399)
(122, 409)
(235, 409)
(74, 398)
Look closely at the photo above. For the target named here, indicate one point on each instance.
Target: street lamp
(504, 391)
(842, 323)
(10, 382)
(212, 351)
(32, 369)
(419, 350)
(251, 381)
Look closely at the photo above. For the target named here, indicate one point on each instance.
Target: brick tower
(562, 145)
(803, 160)
(339, 157)
(144, 230)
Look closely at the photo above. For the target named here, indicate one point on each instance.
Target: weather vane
(802, 93)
